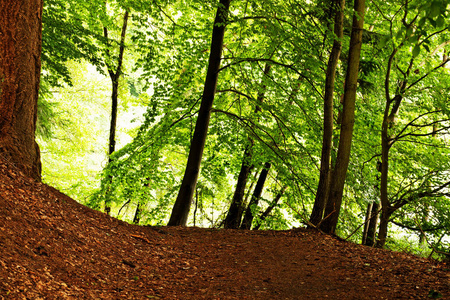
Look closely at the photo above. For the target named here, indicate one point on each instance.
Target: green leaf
(409, 31)
(435, 9)
(440, 21)
(421, 22)
(416, 50)
(383, 41)
(414, 39)
(432, 22)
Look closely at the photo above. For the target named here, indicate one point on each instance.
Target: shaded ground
(53, 248)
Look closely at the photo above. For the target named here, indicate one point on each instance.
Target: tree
(325, 161)
(115, 72)
(20, 66)
(348, 118)
(251, 207)
(182, 204)
(407, 79)
(234, 214)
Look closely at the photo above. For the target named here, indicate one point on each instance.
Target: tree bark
(248, 217)
(348, 119)
(327, 142)
(182, 204)
(20, 68)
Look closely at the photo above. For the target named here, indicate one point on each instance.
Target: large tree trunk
(348, 119)
(248, 217)
(324, 179)
(20, 67)
(182, 204)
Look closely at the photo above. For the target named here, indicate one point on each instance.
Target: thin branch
(411, 124)
(442, 64)
(288, 66)
(419, 229)
(433, 193)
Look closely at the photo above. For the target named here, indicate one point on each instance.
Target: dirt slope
(53, 248)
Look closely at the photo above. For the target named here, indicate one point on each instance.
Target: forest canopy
(253, 114)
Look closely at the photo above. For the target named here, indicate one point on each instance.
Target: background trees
(268, 110)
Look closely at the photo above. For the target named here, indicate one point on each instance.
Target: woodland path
(55, 248)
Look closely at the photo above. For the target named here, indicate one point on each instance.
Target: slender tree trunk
(386, 143)
(20, 68)
(370, 225)
(253, 181)
(383, 228)
(366, 222)
(234, 214)
(248, 217)
(269, 209)
(182, 204)
(137, 214)
(233, 218)
(372, 228)
(196, 207)
(348, 119)
(390, 112)
(327, 142)
(384, 200)
(114, 74)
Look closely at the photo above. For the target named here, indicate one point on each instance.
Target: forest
(242, 114)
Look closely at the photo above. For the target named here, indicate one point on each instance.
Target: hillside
(55, 248)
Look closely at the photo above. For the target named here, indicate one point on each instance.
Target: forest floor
(54, 248)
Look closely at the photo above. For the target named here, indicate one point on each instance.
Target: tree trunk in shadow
(372, 228)
(137, 214)
(182, 204)
(248, 217)
(234, 215)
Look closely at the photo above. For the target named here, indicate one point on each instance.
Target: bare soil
(54, 248)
